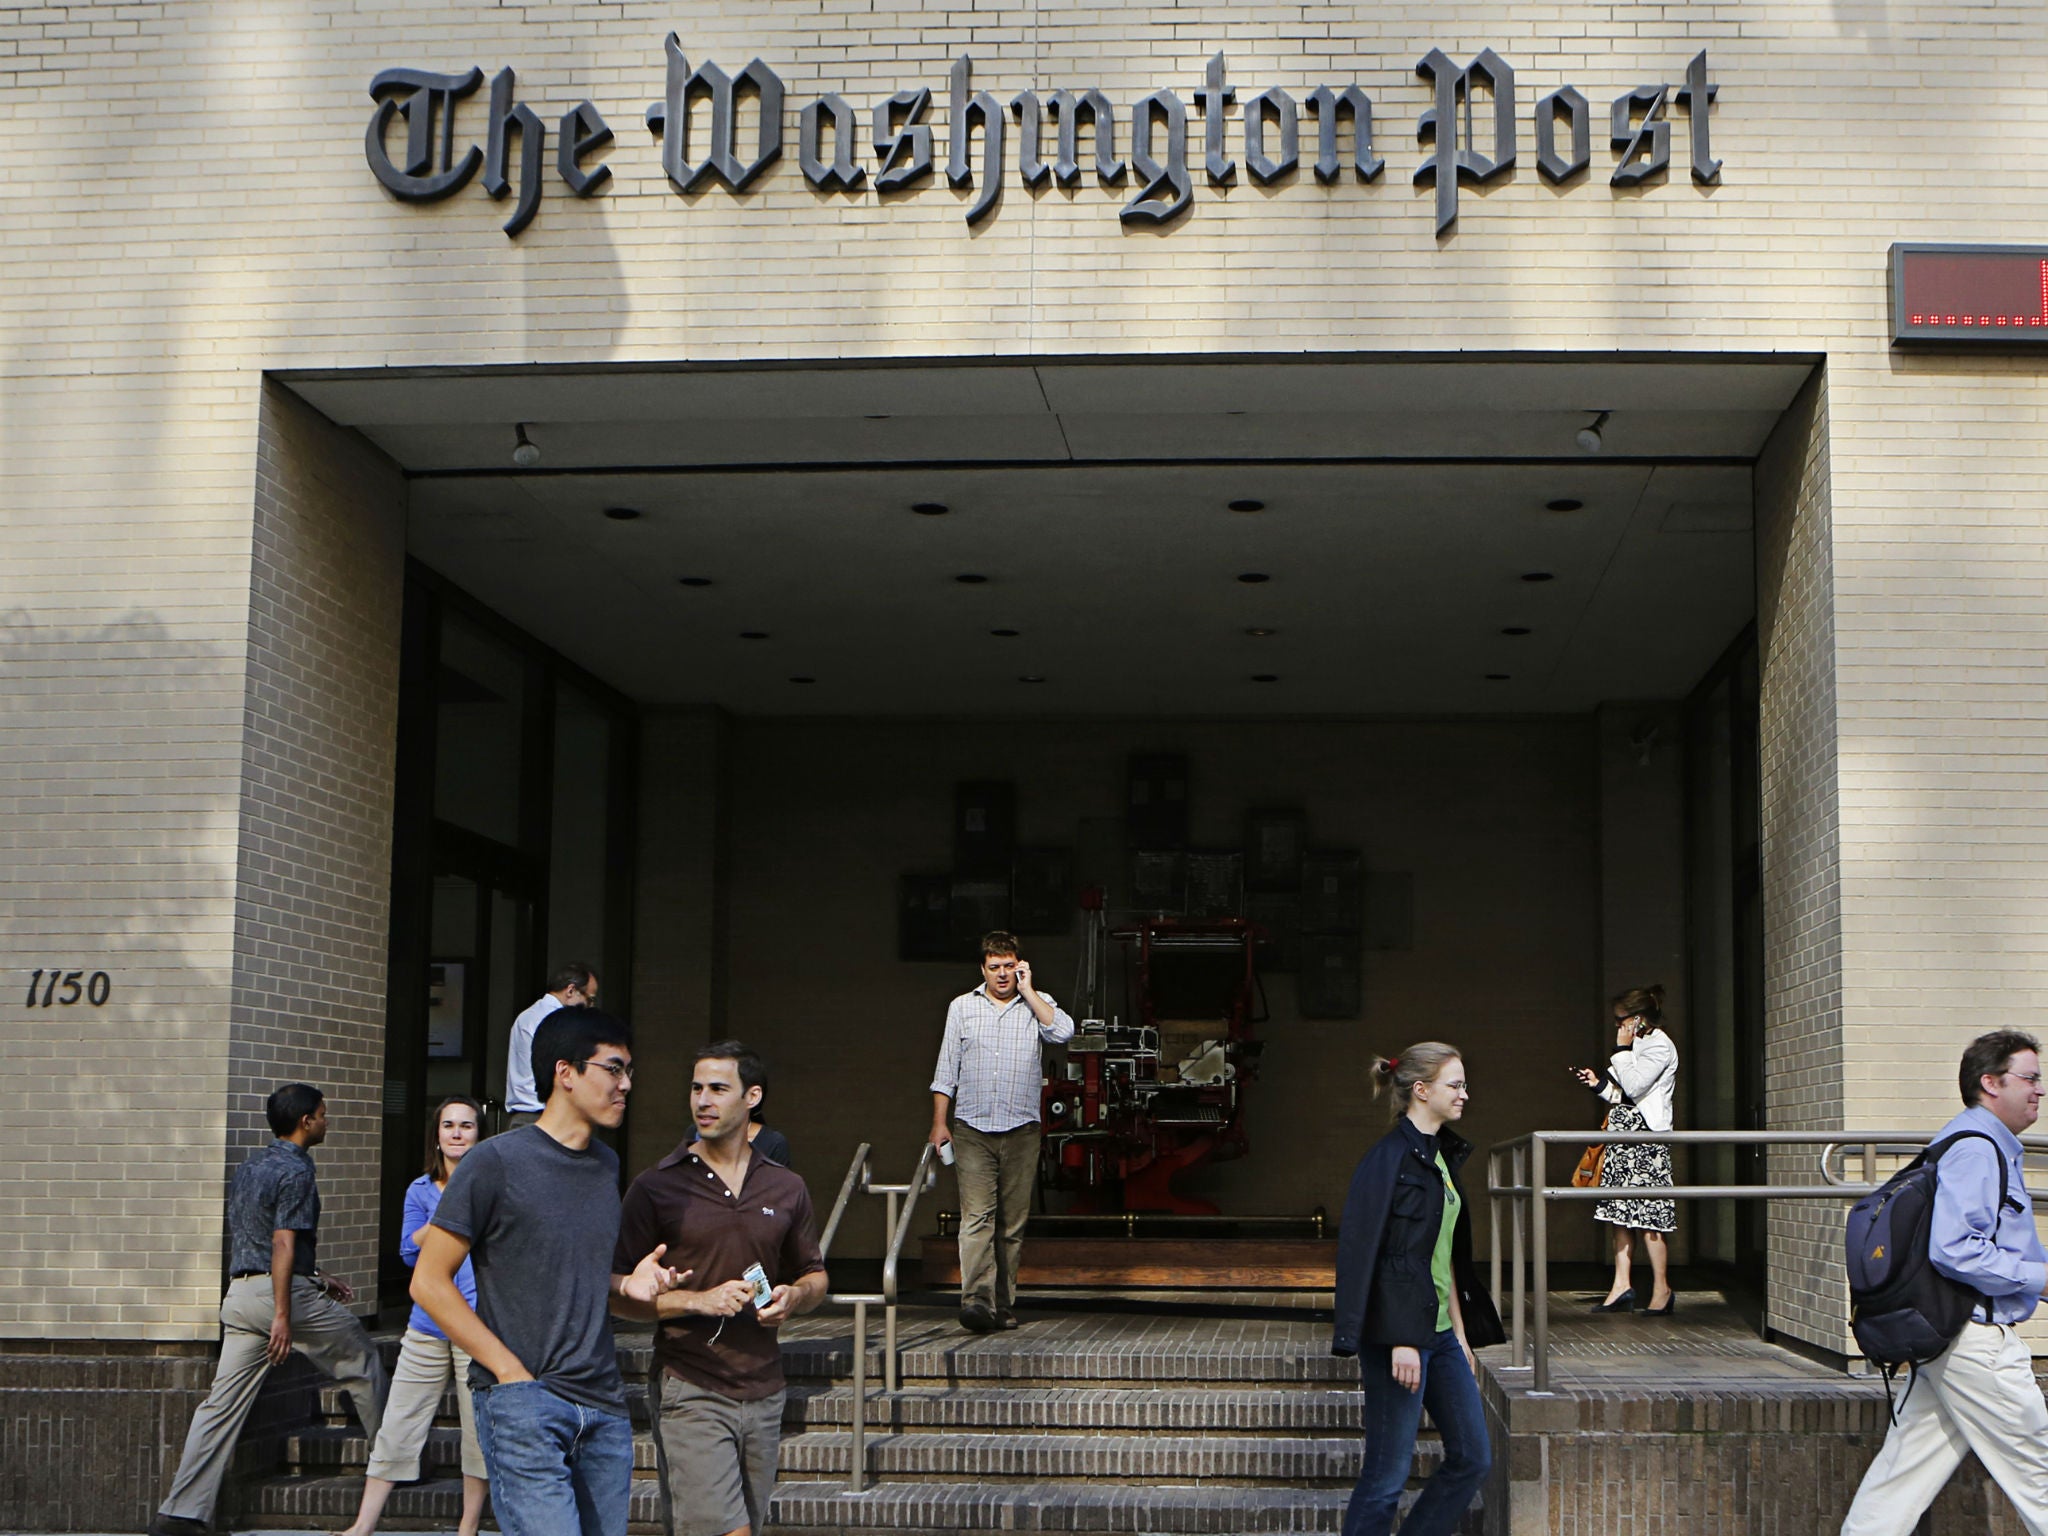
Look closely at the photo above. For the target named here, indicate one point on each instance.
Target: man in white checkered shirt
(989, 1075)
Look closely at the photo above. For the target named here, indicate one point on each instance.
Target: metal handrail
(856, 1176)
(1528, 1183)
(860, 1176)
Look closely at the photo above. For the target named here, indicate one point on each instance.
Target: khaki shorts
(717, 1457)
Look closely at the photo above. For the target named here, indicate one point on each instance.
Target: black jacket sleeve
(1358, 1241)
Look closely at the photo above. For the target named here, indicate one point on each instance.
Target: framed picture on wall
(444, 1008)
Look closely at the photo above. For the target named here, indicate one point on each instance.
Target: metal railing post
(1493, 1216)
(889, 1316)
(1539, 1236)
(859, 1480)
(1518, 1206)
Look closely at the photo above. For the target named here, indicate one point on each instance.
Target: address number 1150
(68, 987)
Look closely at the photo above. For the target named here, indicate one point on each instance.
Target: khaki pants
(322, 1330)
(997, 1172)
(425, 1365)
(1978, 1395)
(715, 1457)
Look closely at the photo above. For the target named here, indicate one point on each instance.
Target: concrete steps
(1080, 1422)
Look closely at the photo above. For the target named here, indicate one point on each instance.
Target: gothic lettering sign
(725, 129)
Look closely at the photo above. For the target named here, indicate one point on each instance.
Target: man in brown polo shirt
(718, 1391)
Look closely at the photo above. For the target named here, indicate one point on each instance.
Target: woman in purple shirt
(427, 1360)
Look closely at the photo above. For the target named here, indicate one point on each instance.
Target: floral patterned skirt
(1636, 1166)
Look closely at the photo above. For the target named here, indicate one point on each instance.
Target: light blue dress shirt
(1997, 1254)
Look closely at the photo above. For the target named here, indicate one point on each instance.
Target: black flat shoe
(1670, 1306)
(1625, 1302)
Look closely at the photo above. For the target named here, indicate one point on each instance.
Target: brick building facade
(206, 541)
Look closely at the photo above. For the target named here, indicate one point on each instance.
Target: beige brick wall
(188, 207)
(1806, 1294)
(318, 745)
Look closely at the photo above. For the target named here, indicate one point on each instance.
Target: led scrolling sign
(1992, 295)
(1470, 129)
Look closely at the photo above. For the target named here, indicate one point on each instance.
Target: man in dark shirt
(537, 1211)
(277, 1301)
(719, 1206)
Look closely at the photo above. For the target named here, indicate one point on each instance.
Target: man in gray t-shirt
(537, 1210)
(530, 1206)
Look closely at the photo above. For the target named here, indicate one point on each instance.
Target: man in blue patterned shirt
(277, 1301)
(989, 1076)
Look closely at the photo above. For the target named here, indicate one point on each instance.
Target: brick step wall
(812, 1507)
(1044, 1457)
(1188, 1427)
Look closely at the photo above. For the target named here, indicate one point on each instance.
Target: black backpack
(1902, 1309)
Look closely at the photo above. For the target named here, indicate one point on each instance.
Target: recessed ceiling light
(1265, 677)
(622, 514)
(1515, 629)
(1497, 677)
(693, 581)
(930, 508)
(1005, 634)
(970, 579)
(1247, 505)
(1253, 578)
(1537, 576)
(1031, 677)
(1260, 634)
(803, 679)
(1563, 504)
(753, 634)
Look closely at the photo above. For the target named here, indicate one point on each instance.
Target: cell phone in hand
(757, 1277)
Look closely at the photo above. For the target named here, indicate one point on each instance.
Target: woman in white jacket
(1639, 1083)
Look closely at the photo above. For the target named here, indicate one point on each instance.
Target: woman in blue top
(427, 1360)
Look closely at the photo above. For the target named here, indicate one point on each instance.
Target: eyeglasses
(620, 1071)
(2032, 1079)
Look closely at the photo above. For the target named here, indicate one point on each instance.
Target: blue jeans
(557, 1467)
(1393, 1414)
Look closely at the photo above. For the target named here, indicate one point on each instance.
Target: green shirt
(1440, 1258)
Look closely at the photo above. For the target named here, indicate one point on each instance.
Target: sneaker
(1007, 1318)
(176, 1525)
(976, 1318)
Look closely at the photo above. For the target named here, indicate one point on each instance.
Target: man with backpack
(1977, 1394)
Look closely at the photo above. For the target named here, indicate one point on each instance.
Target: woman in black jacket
(1409, 1303)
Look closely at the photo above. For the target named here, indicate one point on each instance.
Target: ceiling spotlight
(1537, 576)
(970, 579)
(1260, 634)
(1564, 503)
(1515, 629)
(1005, 634)
(1031, 677)
(753, 634)
(694, 581)
(1265, 677)
(1589, 437)
(524, 452)
(1253, 578)
(1247, 506)
(930, 508)
(622, 514)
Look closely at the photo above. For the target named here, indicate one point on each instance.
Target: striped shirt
(988, 1062)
